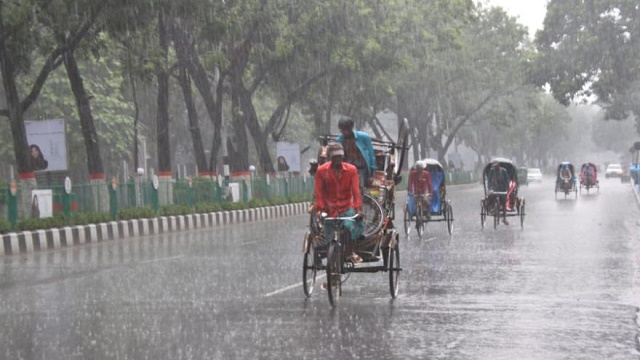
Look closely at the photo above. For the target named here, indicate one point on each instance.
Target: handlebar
(325, 218)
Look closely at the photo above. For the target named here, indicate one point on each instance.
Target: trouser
(355, 228)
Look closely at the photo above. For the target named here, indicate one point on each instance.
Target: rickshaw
(379, 246)
(491, 205)
(438, 208)
(589, 177)
(566, 180)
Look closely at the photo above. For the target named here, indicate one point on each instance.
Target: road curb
(40, 240)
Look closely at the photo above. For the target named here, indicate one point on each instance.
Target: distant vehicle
(613, 170)
(534, 175)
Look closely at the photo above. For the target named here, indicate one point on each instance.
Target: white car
(613, 170)
(534, 175)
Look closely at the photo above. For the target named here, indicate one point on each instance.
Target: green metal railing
(112, 198)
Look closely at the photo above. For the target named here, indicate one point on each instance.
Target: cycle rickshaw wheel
(419, 220)
(496, 213)
(394, 267)
(373, 215)
(448, 215)
(407, 220)
(309, 270)
(334, 271)
(522, 213)
(483, 213)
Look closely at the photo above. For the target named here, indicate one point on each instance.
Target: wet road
(567, 286)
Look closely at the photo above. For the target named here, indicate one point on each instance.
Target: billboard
(47, 144)
(41, 204)
(288, 157)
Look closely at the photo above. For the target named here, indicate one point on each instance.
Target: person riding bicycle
(498, 181)
(337, 192)
(358, 150)
(420, 184)
(588, 175)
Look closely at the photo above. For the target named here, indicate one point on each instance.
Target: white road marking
(290, 287)
(162, 259)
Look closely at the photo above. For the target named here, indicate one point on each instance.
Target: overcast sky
(530, 13)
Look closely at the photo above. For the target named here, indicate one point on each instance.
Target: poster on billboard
(41, 204)
(47, 144)
(287, 157)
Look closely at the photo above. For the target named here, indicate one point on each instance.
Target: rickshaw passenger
(337, 193)
(565, 173)
(498, 181)
(420, 184)
(588, 174)
(358, 150)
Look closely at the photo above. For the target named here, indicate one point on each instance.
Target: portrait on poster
(287, 157)
(47, 141)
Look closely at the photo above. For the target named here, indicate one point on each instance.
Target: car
(613, 170)
(534, 175)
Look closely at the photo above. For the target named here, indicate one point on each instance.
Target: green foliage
(233, 206)
(591, 48)
(42, 223)
(136, 213)
(5, 226)
(257, 202)
(207, 207)
(87, 218)
(278, 200)
(4, 192)
(172, 210)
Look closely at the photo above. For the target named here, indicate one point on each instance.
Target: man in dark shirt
(358, 150)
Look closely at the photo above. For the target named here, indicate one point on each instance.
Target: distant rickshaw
(566, 181)
(437, 209)
(589, 177)
(498, 203)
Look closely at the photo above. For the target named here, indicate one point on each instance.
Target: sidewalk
(30, 241)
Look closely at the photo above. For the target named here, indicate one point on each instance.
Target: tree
(592, 48)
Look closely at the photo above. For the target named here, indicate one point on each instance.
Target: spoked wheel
(575, 190)
(309, 270)
(334, 272)
(407, 220)
(394, 267)
(496, 213)
(522, 213)
(556, 193)
(373, 215)
(419, 220)
(448, 215)
(483, 213)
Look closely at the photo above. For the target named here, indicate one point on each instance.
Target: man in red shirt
(420, 183)
(338, 194)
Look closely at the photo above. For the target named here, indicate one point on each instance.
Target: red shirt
(419, 183)
(336, 195)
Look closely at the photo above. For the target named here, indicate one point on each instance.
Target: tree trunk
(259, 137)
(18, 132)
(238, 144)
(194, 126)
(189, 56)
(162, 119)
(91, 144)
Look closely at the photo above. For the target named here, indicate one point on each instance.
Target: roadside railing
(91, 202)
(134, 199)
